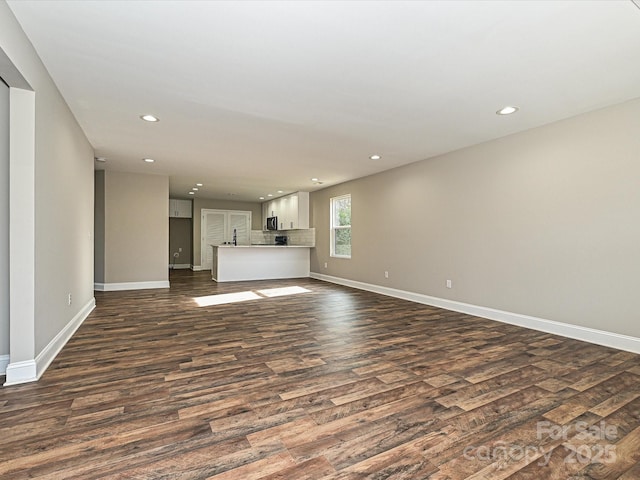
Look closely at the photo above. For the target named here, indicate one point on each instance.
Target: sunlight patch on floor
(224, 298)
(279, 292)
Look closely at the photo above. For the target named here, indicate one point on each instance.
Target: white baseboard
(591, 335)
(112, 287)
(180, 266)
(198, 268)
(4, 361)
(21, 372)
(32, 370)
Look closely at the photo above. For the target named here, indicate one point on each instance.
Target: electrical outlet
(386, 274)
(180, 249)
(449, 285)
(326, 265)
(69, 299)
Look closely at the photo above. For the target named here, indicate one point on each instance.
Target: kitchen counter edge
(263, 246)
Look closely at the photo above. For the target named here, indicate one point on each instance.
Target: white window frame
(333, 228)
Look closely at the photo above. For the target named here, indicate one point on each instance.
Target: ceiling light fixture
(149, 118)
(375, 157)
(195, 189)
(261, 198)
(100, 159)
(280, 191)
(148, 160)
(198, 184)
(314, 179)
(269, 194)
(192, 193)
(507, 110)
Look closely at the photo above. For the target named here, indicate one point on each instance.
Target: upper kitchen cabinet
(292, 211)
(179, 208)
(296, 211)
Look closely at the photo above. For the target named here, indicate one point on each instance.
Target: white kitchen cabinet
(292, 211)
(296, 211)
(179, 208)
(269, 209)
(272, 207)
(283, 213)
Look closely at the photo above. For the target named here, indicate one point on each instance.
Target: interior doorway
(218, 227)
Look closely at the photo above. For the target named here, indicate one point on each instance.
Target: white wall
(51, 210)
(544, 223)
(4, 225)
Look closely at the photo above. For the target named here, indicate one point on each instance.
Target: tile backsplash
(305, 237)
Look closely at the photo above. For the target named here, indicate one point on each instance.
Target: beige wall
(543, 223)
(136, 227)
(57, 203)
(200, 203)
(180, 231)
(98, 227)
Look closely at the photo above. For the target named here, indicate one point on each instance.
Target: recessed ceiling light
(269, 194)
(261, 198)
(375, 157)
(195, 189)
(198, 184)
(314, 179)
(100, 159)
(192, 193)
(280, 191)
(149, 118)
(148, 160)
(507, 110)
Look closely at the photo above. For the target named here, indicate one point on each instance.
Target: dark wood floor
(332, 383)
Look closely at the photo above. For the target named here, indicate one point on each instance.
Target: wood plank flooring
(330, 383)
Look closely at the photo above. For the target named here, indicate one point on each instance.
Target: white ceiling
(259, 96)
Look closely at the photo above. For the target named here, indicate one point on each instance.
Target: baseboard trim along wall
(113, 287)
(591, 335)
(197, 268)
(180, 266)
(4, 361)
(21, 372)
(32, 370)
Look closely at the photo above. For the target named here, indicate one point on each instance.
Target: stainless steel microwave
(272, 223)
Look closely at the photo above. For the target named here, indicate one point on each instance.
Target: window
(341, 226)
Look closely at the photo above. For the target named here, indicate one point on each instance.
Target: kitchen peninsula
(259, 262)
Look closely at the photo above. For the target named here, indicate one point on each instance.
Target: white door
(241, 222)
(213, 233)
(217, 227)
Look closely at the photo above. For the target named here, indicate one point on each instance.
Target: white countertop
(262, 246)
